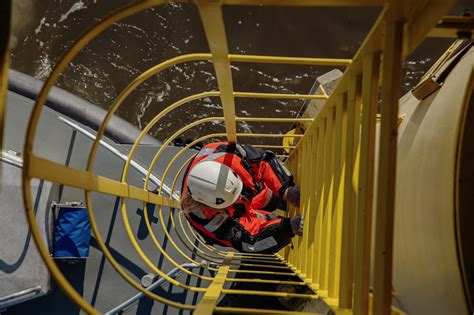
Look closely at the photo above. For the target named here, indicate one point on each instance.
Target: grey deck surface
(94, 277)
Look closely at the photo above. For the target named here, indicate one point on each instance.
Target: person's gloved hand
(297, 223)
(292, 195)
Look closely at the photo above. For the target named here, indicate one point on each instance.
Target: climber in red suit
(229, 193)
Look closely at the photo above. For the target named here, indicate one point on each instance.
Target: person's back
(228, 193)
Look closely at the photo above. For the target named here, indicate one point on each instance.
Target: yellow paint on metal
(328, 203)
(241, 310)
(298, 262)
(312, 203)
(420, 17)
(270, 293)
(265, 281)
(350, 192)
(263, 266)
(213, 22)
(336, 224)
(306, 204)
(208, 302)
(279, 95)
(370, 82)
(307, 3)
(312, 200)
(289, 139)
(264, 272)
(316, 274)
(58, 173)
(273, 120)
(391, 68)
(290, 60)
(265, 146)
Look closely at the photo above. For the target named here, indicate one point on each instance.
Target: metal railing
(337, 153)
(20, 297)
(119, 309)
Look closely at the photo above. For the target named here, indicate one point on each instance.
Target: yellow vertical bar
(301, 176)
(335, 247)
(299, 165)
(305, 194)
(321, 169)
(5, 15)
(209, 301)
(392, 59)
(311, 218)
(213, 22)
(295, 242)
(293, 209)
(370, 81)
(294, 163)
(298, 239)
(291, 166)
(326, 229)
(347, 252)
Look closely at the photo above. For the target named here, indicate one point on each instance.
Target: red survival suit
(246, 225)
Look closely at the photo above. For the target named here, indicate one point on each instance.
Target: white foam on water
(150, 98)
(127, 68)
(40, 26)
(44, 68)
(245, 126)
(184, 73)
(75, 7)
(216, 106)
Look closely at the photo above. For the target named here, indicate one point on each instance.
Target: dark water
(112, 60)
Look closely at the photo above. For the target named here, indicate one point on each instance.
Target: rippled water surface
(105, 66)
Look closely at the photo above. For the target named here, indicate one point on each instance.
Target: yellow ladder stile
(391, 67)
(366, 183)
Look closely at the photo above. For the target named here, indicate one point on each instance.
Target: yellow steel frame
(333, 163)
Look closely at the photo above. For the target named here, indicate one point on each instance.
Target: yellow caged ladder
(333, 163)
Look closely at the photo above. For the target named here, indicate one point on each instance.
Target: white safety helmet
(214, 184)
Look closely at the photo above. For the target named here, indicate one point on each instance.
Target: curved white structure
(431, 245)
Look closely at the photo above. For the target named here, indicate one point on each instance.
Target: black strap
(202, 222)
(232, 148)
(246, 163)
(285, 178)
(253, 154)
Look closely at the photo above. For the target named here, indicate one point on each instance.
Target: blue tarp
(72, 233)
